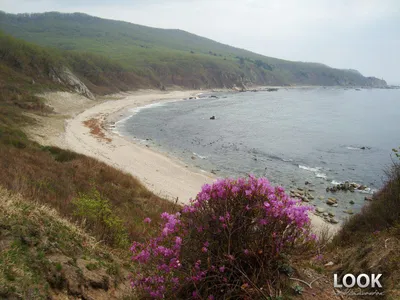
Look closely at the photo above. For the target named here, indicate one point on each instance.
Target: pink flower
(204, 249)
(222, 269)
(178, 240)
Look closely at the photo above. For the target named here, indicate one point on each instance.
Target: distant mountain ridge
(162, 57)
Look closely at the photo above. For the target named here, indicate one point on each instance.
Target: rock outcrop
(66, 77)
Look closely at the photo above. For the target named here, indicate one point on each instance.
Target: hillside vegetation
(44, 256)
(165, 57)
(44, 189)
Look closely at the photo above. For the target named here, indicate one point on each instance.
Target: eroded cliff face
(65, 77)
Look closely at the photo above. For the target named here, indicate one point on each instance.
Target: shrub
(98, 213)
(231, 241)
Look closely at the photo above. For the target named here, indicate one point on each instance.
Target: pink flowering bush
(230, 241)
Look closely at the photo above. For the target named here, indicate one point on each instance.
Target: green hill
(171, 57)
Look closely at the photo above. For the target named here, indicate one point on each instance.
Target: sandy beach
(163, 175)
(87, 130)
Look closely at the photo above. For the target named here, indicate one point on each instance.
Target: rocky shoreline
(327, 207)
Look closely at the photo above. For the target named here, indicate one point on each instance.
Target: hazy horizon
(361, 35)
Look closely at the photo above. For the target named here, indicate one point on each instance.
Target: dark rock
(368, 198)
(213, 96)
(307, 183)
(212, 118)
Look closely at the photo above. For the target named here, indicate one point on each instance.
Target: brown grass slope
(42, 256)
(369, 242)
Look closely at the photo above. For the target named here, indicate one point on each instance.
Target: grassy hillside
(66, 220)
(171, 56)
(62, 179)
(44, 256)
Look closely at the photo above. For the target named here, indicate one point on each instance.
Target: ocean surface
(320, 135)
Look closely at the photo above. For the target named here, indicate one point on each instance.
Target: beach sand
(87, 131)
(163, 175)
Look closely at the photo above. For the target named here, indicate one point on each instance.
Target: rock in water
(212, 118)
(331, 201)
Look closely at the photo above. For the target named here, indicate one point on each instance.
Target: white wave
(334, 182)
(321, 175)
(287, 159)
(367, 191)
(353, 148)
(199, 156)
(136, 110)
(151, 105)
(309, 168)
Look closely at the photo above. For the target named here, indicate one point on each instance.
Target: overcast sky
(356, 34)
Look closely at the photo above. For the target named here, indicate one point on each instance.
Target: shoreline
(161, 174)
(164, 175)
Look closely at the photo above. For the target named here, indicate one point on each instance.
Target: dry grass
(42, 254)
(369, 242)
(55, 177)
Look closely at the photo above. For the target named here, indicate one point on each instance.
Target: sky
(347, 34)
